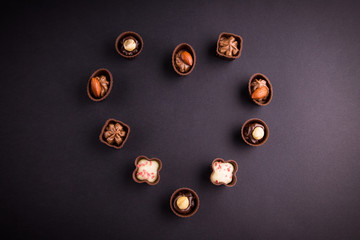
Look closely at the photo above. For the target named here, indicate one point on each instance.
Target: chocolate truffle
(255, 132)
(184, 202)
(147, 170)
(229, 46)
(99, 84)
(114, 133)
(129, 44)
(183, 59)
(260, 89)
(223, 172)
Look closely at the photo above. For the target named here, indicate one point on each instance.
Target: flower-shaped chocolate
(224, 172)
(147, 170)
(114, 133)
(228, 46)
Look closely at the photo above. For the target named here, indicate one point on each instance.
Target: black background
(58, 181)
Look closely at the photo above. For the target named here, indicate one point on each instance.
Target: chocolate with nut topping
(184, 202)
(183, 59)
(129, 46)
(99, 84)
(260, 90)
(251, 132)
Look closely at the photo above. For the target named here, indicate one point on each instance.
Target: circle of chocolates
(184, 202)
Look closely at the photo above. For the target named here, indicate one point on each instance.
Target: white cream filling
(222, 172)
(147, 170)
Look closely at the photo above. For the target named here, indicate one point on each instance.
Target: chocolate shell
(125, 127)
(234, 179)
(268, 84)
(145, 180)
(266, 131)
(125, 35)
(239, 46)
(192, 210)
(188, 48)
(109, 77)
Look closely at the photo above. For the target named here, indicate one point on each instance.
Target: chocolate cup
(109, 77)
(234, 179)
(238, 39)
(145, 180)
(268, 84)
(187, 47)
(255, 120)
(126, 128)
(127, 34)
(196, 199)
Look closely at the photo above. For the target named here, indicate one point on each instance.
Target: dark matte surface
(58, 181)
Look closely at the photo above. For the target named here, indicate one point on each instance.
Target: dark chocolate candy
(194, 202)
(129, 53)
(191, 202)
(249, 128)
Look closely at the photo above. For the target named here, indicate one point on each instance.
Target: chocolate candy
(183, 59)
(223, 172)
(129, 44)
(147, 170)
(99, 84)
(229, 46)
(184, 202)
(255, 132)
(114, 133)
(260, 89)
(250, 130)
